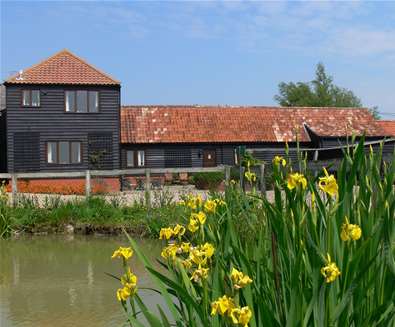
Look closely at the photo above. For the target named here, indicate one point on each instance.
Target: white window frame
(55, 160)
(138, 157)
(74, 106)
(29, 103)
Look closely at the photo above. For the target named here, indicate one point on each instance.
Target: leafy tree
(320, 92)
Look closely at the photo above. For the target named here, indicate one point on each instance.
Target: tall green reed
(283, 245)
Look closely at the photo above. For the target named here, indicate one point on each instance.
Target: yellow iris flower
(328, 184)
(187, 263)
(201, 253)
(185, 246)
(178, 230)
(350, 231)
(241, 316)
(193, 225)
(278, 160)
(296, 179)
(194, 202)
(239, 279)
(330, 271)
(125, 253)
(129, 278)
(250, 176)
(200, 217)
(123, 293)
(220, 202)
(166, 233)
(199, 274)
(129, 282)
(169, 251)
(222, 306)
(210, 206)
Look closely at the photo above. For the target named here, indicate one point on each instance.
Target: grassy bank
(94, 215)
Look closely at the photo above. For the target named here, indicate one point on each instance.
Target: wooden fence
(88, 174)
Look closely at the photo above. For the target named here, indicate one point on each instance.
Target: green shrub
(208, 180)
(235, 173)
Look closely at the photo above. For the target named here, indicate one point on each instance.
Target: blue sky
(211, 52)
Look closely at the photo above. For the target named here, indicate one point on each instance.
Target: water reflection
(59, 281)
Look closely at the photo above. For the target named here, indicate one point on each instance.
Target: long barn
(206, 136)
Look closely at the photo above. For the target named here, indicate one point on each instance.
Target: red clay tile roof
(194, 124)
(62, 68)
(388, 127)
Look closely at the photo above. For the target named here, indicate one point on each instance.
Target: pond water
(61, 281)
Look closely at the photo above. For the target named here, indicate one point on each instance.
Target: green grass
(94, 213)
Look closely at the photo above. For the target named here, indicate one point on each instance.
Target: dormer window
(31, 98)
(82, 101)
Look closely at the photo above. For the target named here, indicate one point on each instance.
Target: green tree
(320, 92)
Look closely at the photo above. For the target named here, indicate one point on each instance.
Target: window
(52, 152)
(130, 158)
(236, 156)
(140, 158)
(133, 157)
(82, 101)
(70, 101)
(31, 98)
(75, 152)
(64, 152)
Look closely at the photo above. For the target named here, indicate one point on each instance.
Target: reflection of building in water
(90, 273)
(16, 270)
(72, 295)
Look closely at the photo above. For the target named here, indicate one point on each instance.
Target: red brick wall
(67, 185)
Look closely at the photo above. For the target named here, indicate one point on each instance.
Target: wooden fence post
(242, 179)
(315, 163)
(262, 180)
(227, 175)
(148, 188)
(14, 189)
(87, 183)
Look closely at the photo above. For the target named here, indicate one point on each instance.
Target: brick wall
(67, 185)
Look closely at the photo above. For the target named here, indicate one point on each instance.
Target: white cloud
(337, 28)
(363, 41)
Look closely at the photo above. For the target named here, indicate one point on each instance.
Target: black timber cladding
(3, 141)
(171, 155)
(54, 124)
(191, 155)
(100, 148)
(27, 151)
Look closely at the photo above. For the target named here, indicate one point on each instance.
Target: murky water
(60, 281)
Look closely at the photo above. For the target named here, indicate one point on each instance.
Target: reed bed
(321, 254)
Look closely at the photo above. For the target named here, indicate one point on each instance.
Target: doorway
(209, 158)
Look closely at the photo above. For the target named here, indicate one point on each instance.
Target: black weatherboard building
(65, 115)
(61, 114)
